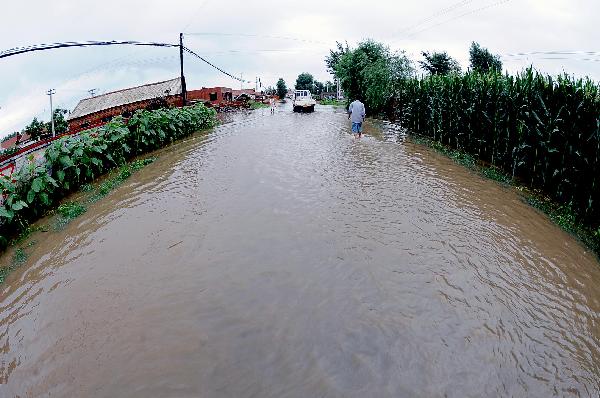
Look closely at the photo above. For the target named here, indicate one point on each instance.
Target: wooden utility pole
(183, 87)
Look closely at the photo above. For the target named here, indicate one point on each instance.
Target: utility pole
(183, 88)
(50, 92)
(241, 80)
(92, 91)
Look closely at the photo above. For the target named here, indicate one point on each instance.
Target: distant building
(214, 95)
(101, 108)
(250, 92)
(11, 142)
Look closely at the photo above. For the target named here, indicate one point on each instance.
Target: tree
(281, 88)
(371, 73)
(35, 129)
(270, 91)
(60, 124)
(482, 60)
(334, 56)
(318, 87)
(437, 63)
(305, 81)
(329, 86)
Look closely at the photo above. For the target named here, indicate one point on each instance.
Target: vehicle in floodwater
(303, 101)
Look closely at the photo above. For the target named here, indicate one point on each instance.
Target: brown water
(279, 257)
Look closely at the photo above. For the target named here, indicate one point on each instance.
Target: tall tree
(439, 63)
(60, 124)
(305, 81)
(482, 60)
(281, 88)
(318, 87)
(334, 56)
(35, 129)
(371, 73)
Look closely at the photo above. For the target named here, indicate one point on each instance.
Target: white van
(303, 101)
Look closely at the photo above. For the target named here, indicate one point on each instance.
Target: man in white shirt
(356, 112)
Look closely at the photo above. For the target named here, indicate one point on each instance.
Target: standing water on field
(279, 257)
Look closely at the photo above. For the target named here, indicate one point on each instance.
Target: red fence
(42, 144)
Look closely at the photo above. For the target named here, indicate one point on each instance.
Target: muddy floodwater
(276, 256)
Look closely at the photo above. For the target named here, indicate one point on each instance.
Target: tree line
(37, 129)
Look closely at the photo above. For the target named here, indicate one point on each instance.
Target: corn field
(543, 131)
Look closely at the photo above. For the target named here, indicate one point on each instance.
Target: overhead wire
(41, 47)
(438, 13)
(495, 4)
(214, 66)
(258, 36)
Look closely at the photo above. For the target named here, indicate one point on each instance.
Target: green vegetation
(71, 210)
(18, 258)
(483, 61)
(281, 88)
(539, 131)
(439, 63)
(257, 105)
(333, 101)
(306, 81)
(543, 132)
(370, 73)
(36, 129)
(74, 161)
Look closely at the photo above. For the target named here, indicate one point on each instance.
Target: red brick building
(214, 95)
(101, 108)
(23, 138)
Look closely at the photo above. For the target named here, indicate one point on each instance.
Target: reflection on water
(280, 257)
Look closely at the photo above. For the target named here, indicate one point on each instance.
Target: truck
(303, 101)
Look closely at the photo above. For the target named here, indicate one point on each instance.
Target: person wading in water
(356, 112)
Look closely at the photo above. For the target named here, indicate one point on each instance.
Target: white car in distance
(303, 101)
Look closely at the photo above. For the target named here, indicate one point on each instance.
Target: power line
(570, 52)
(441, 12)
(41, 47)
(459, 16)
(216, 67)
(258, 36)
(195, 14)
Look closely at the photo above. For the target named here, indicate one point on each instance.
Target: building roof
(13, 140)
(247, 91)
(126, 96)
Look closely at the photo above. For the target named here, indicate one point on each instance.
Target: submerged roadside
(72, 163)
(562, 215)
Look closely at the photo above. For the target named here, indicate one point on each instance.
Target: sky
(269, 40)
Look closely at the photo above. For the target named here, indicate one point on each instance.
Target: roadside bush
(73, 161)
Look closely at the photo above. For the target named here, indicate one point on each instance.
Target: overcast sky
(268, 39)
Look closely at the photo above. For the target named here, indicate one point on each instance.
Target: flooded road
(279, 257)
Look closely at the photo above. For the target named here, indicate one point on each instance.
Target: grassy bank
(74, 161)
(334, 102)
(257, 105)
